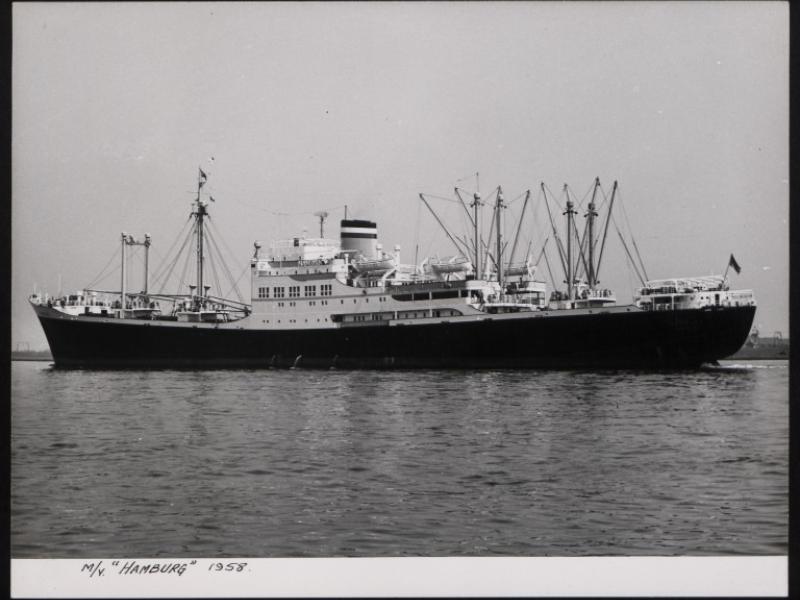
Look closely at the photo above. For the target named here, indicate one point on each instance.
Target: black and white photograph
(392, 283)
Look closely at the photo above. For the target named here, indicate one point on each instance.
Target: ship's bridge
(299, 256)
(303, 249)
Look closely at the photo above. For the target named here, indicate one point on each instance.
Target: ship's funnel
(360, 236)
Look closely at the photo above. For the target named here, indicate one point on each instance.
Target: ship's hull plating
(622, 339)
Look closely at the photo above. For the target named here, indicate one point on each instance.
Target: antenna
(322, 216)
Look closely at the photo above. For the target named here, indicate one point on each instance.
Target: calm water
(434, 463)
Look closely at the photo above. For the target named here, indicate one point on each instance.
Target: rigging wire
(489, 241)
(547, 262)
(212, 263)
(160, 282)
(599, 207)
(609, 217)
(582, 245)
(599, 210)
(224, 266)
(171, 248)
(165, 271)
(441, 198)
(540, 232)
(464, 204)
(416, 234)
(559, 245)
(283, 214)
(624, 245)
(519, 227)
(462, 221)
(580, 204)
(185, 264)
(236, 283)
(482, 244)
(580, 253)
(231, 253)
(633, 240)
(136, 255)
(441, 224)
(210, 258)
(517, 198)
(629, 263)
(100, 277)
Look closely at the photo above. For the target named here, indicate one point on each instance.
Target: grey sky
(310, 106)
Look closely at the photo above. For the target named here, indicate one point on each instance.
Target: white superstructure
(312, 283)
(690, 292)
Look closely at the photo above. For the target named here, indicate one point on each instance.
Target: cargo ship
(344, 302)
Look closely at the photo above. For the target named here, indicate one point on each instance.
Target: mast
(559, 245)
(499, 206)
(199, 216)
(476, 204)
(146, 261)
(569, 212)
(590, 215)
(122, 287)
(201, 212)
(322, 216)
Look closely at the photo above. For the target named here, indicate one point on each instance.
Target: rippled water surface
(433, 463)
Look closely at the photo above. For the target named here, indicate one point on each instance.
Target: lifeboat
(452, 264)
(377, 265)
(526, 268)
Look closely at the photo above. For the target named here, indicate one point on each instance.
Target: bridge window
(278, 292)
(326, 289)
(310, 290)
(294, 291)
(263, 292)
(445, 294)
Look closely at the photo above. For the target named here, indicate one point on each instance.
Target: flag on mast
(732, 263)
(202, 176)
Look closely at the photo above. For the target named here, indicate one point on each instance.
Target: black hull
(625, 339)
